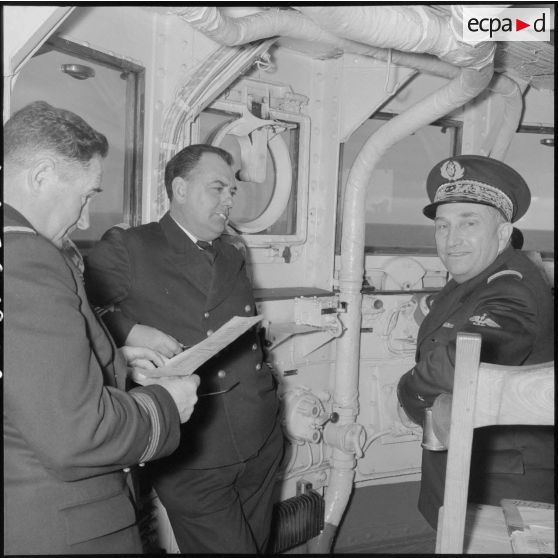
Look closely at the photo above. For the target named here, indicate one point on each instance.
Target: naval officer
(172, 283)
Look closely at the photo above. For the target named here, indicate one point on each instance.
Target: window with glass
(272, 207)
(396, 192)
(537, 168)
(107, 92)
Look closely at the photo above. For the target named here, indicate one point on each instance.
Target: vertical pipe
(465, 86)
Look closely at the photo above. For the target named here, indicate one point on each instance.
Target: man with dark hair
(495, 291)
(172, 283)
(71, 432)
(186, 160)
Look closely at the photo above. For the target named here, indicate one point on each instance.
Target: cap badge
(452, 170)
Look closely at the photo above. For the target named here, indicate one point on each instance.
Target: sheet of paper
(531, 526)
(533, 540)
(191, 359)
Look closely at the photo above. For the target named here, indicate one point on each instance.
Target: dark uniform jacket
(69, 429)
(155, 275)
(510, 305)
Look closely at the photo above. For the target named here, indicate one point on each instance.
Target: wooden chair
(483, 395)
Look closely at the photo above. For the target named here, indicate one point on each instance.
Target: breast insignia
(484, 321)
(503, 273)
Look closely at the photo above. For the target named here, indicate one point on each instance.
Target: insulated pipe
(464, 87)
(513, 108)
(361, 23)
(232, 31)
(461, 89)
(508, 90)
(419, 29)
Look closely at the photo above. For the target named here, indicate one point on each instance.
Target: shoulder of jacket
(25, 239)
(234, 242)
(29, 248)
(21, 241)
(140, 231)
(509, 273)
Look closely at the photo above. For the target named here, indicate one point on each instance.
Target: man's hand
(141, 357)
(181, 388)
(147, 336)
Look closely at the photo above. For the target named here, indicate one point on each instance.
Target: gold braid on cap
(477, 192)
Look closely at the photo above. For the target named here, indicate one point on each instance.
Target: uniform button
(247, 308)
(258, 366)
(255, 347)
(221, 374)
(126, 469)
(206, 315)
(209, 332)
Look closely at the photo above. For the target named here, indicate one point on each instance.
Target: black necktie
(208, 250)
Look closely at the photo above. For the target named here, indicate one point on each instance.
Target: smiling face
(469, 237)
(202, 200)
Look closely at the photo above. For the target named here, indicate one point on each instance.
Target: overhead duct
(413, 36)
(405, 28)
(239, 31)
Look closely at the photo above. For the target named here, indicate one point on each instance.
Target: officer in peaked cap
(477, 179)
(496, 291)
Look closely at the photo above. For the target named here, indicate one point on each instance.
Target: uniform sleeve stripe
(502, 273)
(148, 405)
(14, 228)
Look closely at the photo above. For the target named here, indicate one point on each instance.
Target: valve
(349, 438)
(303, 416)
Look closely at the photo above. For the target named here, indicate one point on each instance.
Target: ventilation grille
(296, 521)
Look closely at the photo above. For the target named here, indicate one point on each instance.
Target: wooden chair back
(484, 395)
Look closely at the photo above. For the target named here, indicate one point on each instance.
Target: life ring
(283, 179)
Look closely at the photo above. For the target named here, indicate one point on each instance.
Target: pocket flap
(90, 520)
(492, 462)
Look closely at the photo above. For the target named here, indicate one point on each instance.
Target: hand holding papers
(191, 359)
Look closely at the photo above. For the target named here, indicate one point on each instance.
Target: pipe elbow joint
(348, 438)
(474, 57)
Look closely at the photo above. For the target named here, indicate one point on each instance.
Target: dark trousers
(529, 476)
(225, 509)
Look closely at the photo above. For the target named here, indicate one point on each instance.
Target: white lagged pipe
(232, 31)
(513, 109)
(415, 29)
(464, 87)
(406, 28)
